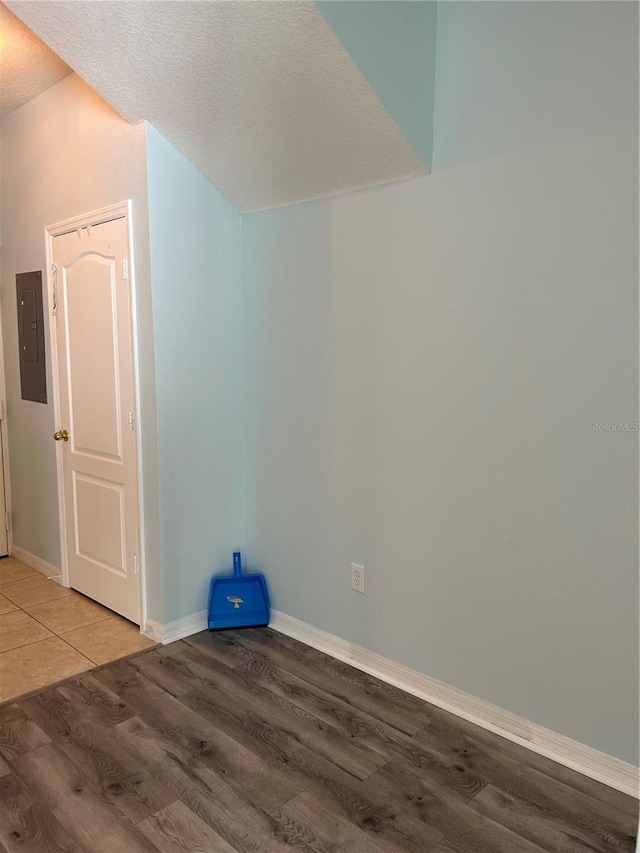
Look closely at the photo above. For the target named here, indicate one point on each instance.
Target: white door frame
(4, 434)
(4, 449)
(97, 217)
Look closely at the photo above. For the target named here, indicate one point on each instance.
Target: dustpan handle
(237, 564)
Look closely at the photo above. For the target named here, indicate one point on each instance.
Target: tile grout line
(86, 657)
(35, 618)
(46, 601)
(56, 634)
(71, 594)
(52, 633)
(59, 633)
(22, 610)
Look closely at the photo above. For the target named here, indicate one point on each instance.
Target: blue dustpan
(238, 601)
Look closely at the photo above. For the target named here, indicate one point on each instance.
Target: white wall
(64, 153)
(197, 317)
(424, 362)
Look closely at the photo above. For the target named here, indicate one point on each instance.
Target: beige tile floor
(49, 633)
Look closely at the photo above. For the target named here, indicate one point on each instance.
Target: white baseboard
(152, 629)
(586, 760)
(54, 573)
(173, 631)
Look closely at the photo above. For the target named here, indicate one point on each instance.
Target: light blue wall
(423, 365)
(197, 316)
(394, 44)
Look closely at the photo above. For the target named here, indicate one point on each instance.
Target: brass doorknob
(61, 435)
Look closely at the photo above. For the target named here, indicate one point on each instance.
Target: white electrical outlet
(357, 577)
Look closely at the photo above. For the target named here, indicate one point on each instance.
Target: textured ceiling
(260, 96)
(27, 65)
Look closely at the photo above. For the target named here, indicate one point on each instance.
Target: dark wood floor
(249, 741)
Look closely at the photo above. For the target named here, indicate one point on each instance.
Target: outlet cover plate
(357, 577)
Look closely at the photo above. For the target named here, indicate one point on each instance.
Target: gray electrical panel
(33, 374)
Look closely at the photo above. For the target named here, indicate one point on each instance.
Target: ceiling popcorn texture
(27, 65)
(260, 96)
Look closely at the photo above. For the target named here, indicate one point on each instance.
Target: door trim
(120, 210)
(4, 452)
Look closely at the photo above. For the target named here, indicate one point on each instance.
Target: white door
(96, 389)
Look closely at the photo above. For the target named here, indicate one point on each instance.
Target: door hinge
(132, 424)
(125, 269)
(6, 521)
(1, 410)
(135, 564)
(54, 289)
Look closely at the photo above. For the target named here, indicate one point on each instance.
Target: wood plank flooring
(250, 742)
